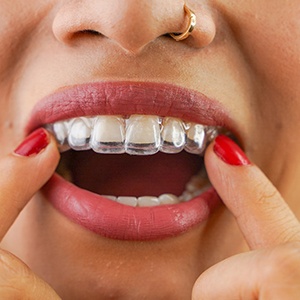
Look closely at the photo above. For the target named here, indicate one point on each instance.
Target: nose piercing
(191, 25)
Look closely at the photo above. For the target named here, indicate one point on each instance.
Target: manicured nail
(34, 143)
(230, 152)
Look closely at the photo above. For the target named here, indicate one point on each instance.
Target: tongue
(125, 175)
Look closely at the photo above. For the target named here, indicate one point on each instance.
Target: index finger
(23, 173)
(262, 215)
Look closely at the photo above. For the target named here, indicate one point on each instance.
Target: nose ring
(191, 25)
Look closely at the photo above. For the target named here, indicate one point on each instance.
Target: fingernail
(230, 152)
(34, 143)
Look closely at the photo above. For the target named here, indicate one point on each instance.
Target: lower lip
(117, 221)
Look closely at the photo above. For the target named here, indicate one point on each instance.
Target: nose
(132, 24)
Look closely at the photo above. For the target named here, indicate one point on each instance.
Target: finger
(261, 213)
(23, 173)
(17, 281)
(261, 274)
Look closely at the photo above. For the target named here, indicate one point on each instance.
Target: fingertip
(225, 162)
(38, 153)
(247, 193)
(23, 172)
(34, 143)
(229, 170)
(53, 147)
(229, 152)
(50, 155)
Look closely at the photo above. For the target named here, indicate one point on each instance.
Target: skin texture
(246, 55)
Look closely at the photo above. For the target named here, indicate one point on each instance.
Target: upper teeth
(137, 134)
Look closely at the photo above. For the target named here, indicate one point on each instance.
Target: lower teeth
(196, 186)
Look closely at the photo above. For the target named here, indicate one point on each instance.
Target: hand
(21, 176)
(271, 270)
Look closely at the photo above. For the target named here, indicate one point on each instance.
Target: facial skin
(244, 54)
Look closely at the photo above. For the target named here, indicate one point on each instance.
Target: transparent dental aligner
(211, 133)
(142, 135)
(108, 135)
(138, 134)
(80, 133)
(61, 132)
(196, 139)
(173, 136)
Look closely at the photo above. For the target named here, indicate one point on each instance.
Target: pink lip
(126, 98)
(103, 216)
(117, 221)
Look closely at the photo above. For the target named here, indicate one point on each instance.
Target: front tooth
(148, 201)
(142, 135)
(108, 135)
(172, 136)
(131, 201)
(196, 139)
(79, 135)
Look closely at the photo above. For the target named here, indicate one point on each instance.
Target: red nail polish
(230, 152)
(34, 143)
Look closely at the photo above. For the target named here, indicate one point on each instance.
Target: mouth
(131, 173)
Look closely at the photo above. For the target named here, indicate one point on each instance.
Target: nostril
(70, 37)
(132, 26)
(90, 32)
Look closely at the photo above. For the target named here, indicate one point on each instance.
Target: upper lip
(126, 98)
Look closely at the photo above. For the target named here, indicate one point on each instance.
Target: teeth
(148, 201)
(138, 134)
(142, 135)
(196, 139)
(172, 136)
(110, 197)
(199, 182)
(168, 199)
(61, 133)
(185, 196)
(108, 135)
(80, 133)
(131, 201)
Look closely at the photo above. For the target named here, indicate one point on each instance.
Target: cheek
(16, 25)
(268, 34)
(275, 52)
(8, 128)
(273, 43)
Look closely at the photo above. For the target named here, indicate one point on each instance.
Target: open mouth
(156, 161)
(132, 157)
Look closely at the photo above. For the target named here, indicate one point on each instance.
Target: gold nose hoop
(191, 25)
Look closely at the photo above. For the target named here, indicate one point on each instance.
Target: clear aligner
(136, 135)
